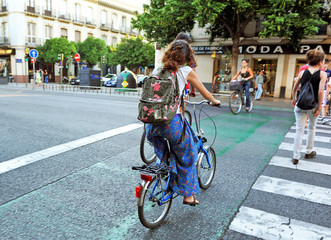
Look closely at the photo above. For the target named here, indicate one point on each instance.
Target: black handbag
(306, 99)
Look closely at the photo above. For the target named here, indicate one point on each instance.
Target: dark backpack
(160, 98)
(306, 99)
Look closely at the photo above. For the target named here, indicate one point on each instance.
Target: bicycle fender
(141, 199)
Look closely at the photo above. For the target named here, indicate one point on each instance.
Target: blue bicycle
(154, 193)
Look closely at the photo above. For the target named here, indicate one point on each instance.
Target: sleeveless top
(245, 74)
(315, 81)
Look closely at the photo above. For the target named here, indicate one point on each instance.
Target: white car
(107, 78)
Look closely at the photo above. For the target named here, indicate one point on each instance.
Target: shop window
(63, 9)
(223, 68)
(269, 66)
(4, 5)
(114, 24)
(49, 5)
(4, 38)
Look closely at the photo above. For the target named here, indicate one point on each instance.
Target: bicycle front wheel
(206, 167)
(251, 96)
(235, 103)
(147, 152)
(188, 116)
(152, 213)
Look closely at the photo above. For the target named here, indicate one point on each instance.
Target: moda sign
(261, 49)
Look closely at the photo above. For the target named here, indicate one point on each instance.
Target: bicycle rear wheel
(188, 116)
(235, 103)
(152, 213)
(206, 168)
(251, 96)
(147, 153)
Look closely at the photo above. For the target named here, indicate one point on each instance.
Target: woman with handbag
(315, 78)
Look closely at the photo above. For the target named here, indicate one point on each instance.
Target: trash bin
(126, 79)
(89, 78)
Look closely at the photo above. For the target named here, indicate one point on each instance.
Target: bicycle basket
(236, 85)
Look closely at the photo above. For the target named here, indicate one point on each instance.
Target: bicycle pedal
(204, 140)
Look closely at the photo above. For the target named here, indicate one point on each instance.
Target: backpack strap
(182, 105)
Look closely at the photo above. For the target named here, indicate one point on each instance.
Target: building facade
(26, 24)
(272, 55)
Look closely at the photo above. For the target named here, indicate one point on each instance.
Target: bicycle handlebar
(202, 102)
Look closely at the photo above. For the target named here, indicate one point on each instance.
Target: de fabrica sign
(261, 49)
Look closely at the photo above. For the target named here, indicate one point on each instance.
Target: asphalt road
(88, 192)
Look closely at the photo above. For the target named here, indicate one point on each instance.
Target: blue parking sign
(33, 53)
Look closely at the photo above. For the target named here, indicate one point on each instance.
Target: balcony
(64, 17)
(32, 41)
(115, 29)
(4, 41)
(32, 10)
(48, 14)
(3, 11)
(90, 23)
(104, 27)
(78, 21)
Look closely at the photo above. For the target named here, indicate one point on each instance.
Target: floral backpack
(160, 98)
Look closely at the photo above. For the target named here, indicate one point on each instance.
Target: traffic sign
(33, 53)
(77, 57)
(32, 60)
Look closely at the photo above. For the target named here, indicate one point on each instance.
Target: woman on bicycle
(246, 75)
(184, 154)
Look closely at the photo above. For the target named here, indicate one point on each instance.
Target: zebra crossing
(289, 201)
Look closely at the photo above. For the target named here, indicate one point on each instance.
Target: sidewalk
(223, 97)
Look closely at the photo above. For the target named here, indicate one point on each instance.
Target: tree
(48, 53)
(291, 19)
(92, 49)
(132, 52)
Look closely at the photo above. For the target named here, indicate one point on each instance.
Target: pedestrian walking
(216, 85)
(46, 76)
(317, 79)
(259, 85)
(327, 90)
(38, 77)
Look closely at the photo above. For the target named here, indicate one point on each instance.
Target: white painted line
(270, 226)
(320, 125)
(317, 130)
(52, 151)
(292, 189)
(319, 150)
(317, 138)
(313, 167)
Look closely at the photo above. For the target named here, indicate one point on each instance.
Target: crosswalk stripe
(316, 139)
(303, 165)
(317, 130)
(293, 189)
(52, 151)
(270, 226)
(319, 125)
(319, 150)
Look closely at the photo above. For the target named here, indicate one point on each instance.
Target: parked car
(75, 81)
(111, 82)
(140, 80)
(107, 78)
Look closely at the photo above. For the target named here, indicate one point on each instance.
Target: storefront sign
(261, 49)
(18, 60)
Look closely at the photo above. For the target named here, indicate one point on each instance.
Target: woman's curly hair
(178, 53)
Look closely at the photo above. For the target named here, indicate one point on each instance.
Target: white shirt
(181, 74)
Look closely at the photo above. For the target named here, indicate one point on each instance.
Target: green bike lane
(98, 202)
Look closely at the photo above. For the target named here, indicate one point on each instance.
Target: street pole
(34, 73)
(22, 69)
(27, 73)
(78, 69)
(61, 67)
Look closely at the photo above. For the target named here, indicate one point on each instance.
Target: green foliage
(132, 52)
(162, 20)
(293, 20)
(92, 49)
(48, 53)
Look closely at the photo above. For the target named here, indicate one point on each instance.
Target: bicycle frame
(166, 196)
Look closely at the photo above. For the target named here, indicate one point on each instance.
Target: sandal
(192, 203)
